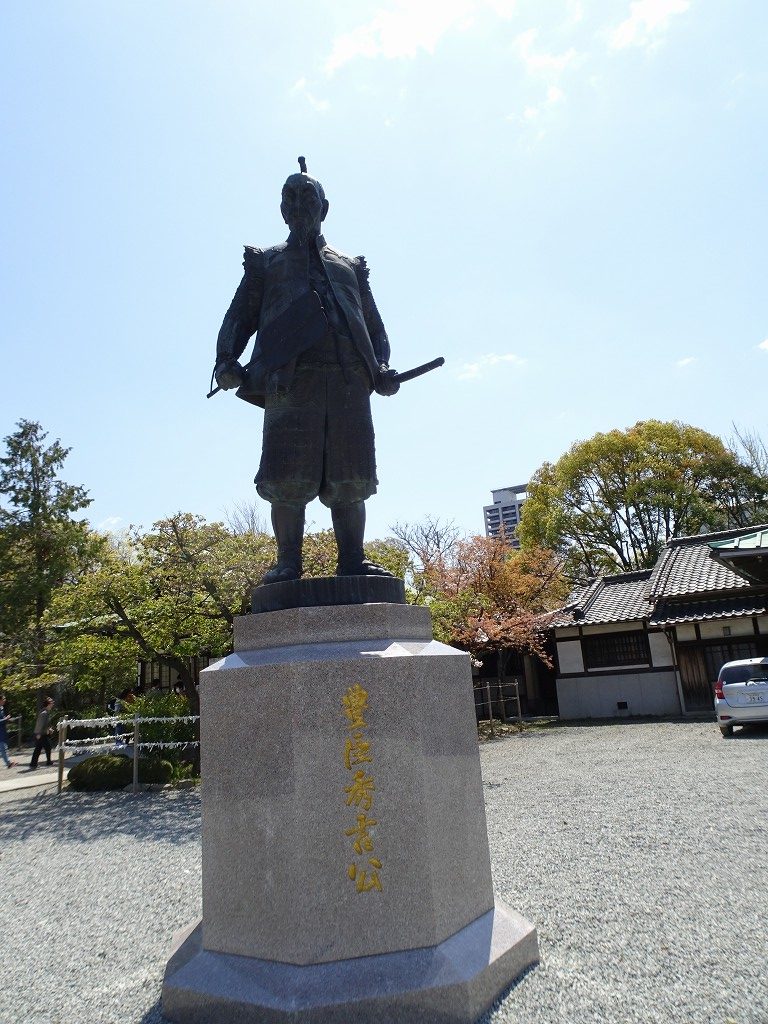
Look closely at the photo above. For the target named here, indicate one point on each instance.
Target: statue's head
(303, 204)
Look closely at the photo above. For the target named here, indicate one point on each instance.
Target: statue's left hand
(229, 374)
(385, 383)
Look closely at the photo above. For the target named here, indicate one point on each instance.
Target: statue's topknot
(307, 177)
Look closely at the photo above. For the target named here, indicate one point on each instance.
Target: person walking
(4, 717)
(42, 732)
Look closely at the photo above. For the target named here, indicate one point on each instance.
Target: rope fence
(118, 740)
(484, 689)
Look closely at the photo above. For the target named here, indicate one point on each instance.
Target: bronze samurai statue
(320, 350)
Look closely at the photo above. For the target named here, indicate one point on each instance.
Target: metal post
(519, 708)
(490, 706)
(135, 753)
(500, 680)
(502, 705)
(62, 741)
(18, 734)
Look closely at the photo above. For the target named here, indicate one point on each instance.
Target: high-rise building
(505, 512)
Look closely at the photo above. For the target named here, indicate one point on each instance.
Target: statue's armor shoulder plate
(253, 260)
(356, 263)
(338, 254)
(361, 268)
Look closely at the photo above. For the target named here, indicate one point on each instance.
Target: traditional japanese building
(652, 642)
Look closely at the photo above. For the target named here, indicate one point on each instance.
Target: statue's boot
(288, 524)
(349, 528)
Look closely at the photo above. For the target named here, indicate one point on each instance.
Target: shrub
(108, 771)
(171, 706)
(165, 705)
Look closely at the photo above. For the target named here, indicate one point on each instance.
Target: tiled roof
(618, 598)
(755, 541)
(746, 554)
(687, 584)
(686, 567)
(669, 612)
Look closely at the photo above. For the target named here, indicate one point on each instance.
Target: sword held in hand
(401, 378)
(417, 371)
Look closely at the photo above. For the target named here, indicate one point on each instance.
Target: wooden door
(698, 688)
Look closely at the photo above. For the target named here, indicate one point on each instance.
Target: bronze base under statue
(328, 591)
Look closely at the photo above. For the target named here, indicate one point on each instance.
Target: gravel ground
(638, 849)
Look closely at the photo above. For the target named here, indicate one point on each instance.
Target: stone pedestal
(346, 872)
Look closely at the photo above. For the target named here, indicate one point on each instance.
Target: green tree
(319, 554)
(610, 504)
(169, 595)
(41, 548)
(166, 596)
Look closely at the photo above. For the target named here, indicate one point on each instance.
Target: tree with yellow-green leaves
(166, 595)
(171, 594)
(610, 503)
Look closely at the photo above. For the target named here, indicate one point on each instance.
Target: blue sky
(566, 199)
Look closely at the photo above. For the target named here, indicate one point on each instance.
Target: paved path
(22, 777)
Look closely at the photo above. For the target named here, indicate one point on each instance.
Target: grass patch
(513, 728)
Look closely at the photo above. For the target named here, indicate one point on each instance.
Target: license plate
(756, 698)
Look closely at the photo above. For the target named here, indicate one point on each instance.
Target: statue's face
(303, 207)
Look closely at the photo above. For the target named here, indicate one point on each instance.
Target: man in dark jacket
(321, 349)
(42, 733)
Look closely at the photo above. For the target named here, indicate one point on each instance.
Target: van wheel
(726, 730)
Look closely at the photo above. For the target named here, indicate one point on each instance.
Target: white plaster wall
(686, 631)
(762, 623)
(569, 656)
(596, 696)
(714, 630)
(661, 651)
(612, 627)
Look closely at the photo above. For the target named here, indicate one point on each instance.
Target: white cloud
(687, 361)
(474, 371)
(300, 88)
(575, 10)
(764, 345)
(531, 115)
(110, 524)
(408, 27)
(548, 67)
(549, 64)
(647, 21)
(534, 113)
(400, 31)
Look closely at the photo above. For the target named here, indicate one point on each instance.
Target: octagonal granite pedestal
(346, 873)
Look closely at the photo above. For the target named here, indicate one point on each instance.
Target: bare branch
(245, 517)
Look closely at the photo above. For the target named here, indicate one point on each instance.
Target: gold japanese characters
(360, 792)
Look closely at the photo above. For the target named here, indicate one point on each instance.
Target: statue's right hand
(229, 374)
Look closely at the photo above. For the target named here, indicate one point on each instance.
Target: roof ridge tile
(699, 538)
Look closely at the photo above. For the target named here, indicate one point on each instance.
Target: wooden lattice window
(616, 649)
